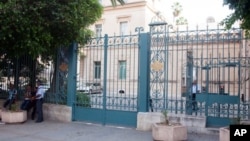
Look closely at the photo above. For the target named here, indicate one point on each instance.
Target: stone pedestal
(57, 112)
(224, 134)
(14, 116)
(194, 124)
(162, 132)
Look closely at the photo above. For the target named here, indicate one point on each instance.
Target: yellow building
(210, 46)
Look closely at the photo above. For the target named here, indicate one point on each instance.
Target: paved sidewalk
(78, 131)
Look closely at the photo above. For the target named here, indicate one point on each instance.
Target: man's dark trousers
(194, 102)
(39, 109)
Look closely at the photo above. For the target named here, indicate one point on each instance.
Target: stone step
(208, 130)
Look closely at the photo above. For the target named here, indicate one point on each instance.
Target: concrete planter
(163, 132)
(224, 134)
(14, 116)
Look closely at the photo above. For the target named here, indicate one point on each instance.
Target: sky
(197, 11)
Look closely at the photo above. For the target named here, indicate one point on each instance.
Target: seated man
(29, 101)
(27, 98)
(12, 96)
(33, 103)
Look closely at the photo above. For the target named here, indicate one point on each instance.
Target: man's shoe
(39, 121)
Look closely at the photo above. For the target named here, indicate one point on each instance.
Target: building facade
(215, 57)
(122, 22)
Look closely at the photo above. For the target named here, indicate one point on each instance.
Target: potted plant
(13, 115)
(167, 131)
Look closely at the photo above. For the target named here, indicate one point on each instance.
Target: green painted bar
(143, 97)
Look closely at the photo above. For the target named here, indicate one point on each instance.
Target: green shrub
(165, 114)
(13, 107)
(82, 99)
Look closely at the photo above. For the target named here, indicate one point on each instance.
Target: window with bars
(123, 28)
(98, 30)
(97, 70)
(122, 70)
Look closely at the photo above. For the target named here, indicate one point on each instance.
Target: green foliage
(241, 12)
(13, 107)
(38, 27)
(181, 21)
(83, 100)
(114, 2)
(165, 114)
(177, 9)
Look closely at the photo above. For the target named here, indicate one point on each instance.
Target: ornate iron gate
(215, 58)
(154, 71)
(107, 86)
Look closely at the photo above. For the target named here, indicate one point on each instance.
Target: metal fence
(217, 58)
(25, 71)
(109, 73)
(107, 82)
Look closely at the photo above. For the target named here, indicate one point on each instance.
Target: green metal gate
(216, 58)
(120, 76)
(107, 85)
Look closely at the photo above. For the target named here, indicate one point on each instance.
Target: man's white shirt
(196, 88)
(40, 91)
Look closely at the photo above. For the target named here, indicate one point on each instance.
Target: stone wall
(194, 124)
(57, 112)
(53, 111)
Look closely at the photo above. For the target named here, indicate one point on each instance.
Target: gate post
(105, 77)
(189, 82)
(72, 72)
(143, 94)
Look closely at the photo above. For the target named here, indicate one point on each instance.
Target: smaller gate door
(220, 95)
(107, 86)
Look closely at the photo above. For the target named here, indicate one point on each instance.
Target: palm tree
(114, 2)
(181, 21)
(177, 8)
